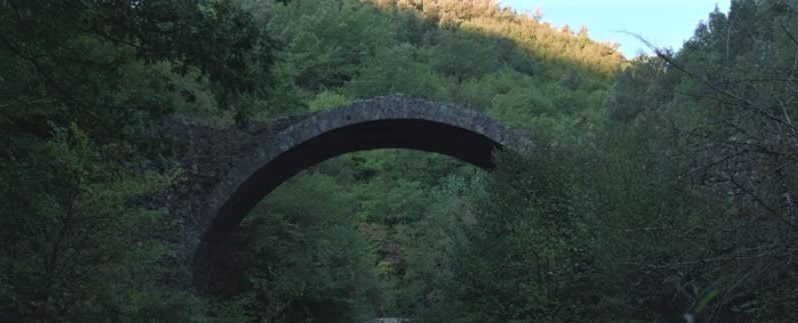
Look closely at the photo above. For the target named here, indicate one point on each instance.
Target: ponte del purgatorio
(228, 171)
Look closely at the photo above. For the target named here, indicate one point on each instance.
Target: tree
(305, 263)
(526, 256)
(81, 81)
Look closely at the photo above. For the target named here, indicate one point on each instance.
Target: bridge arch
(384, 122)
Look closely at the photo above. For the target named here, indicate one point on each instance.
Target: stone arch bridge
(228, 171)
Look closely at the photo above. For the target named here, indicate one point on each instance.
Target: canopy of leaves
(661, 186)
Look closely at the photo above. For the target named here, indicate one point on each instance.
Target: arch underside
(421, 135)
(210, 259)
(383, 122)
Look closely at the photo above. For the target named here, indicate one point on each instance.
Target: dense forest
(662, 188)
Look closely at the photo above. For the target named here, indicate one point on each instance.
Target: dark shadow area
(212, 259)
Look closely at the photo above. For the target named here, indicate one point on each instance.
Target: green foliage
(660, 186)
(459, 56)
(81, 81)
(526, 256)
(646, 84)
(68, 228)
(307, 261)
(328, 40)
(721, 192)
(405, 203)
(632, 213)
(396, 70)
(328, 99)
(78, 56)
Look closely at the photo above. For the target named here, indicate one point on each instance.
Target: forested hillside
(661, 188)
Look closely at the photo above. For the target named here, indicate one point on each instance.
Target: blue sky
(665, 23)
